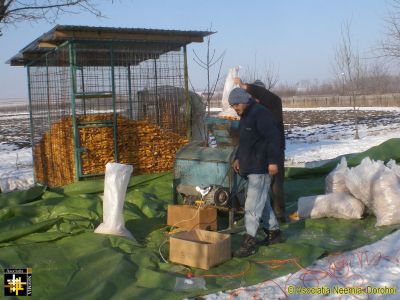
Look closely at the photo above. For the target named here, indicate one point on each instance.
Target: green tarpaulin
(51, 231)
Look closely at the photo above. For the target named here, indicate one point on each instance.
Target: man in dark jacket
(256, 159)
(274, 104)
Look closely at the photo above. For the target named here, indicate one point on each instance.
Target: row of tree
(371, 84)
(353, 74)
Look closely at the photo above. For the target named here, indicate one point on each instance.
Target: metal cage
(94, 101)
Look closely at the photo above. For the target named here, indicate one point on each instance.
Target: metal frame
(78, 126)
(80, 91)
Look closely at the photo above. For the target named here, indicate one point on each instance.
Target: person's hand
(272, 169)
(235, 165)
(237, 81)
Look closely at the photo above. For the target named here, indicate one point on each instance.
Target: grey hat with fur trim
(238, 96)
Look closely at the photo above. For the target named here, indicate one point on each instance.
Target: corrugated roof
(166, 40)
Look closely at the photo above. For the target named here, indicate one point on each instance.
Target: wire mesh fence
(93, 103)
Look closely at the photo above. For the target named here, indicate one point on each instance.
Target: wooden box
(192, 217)
(199, 248)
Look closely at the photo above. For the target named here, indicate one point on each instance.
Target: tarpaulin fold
(51, 231)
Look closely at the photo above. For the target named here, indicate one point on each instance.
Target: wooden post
(186, 87)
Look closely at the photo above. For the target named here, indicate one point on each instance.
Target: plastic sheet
(194, 283)
(335, 181)
(336, 205)
(360, 179)
(115, 184)
(229, 85)
(378, 187)
(128, 270)
(386, 198)
(394, 167)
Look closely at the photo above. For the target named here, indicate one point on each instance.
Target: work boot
(272, 237)
(247, 248)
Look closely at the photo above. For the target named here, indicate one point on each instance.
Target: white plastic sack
(394, 167)
(229, 85)
(115, 184)
(334, 205)
(386, 198)
(335, 181)
(360, 179)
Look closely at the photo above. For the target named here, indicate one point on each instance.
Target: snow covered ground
(16, 171)
(305, 145)
(301, 153)
(318, 142)
(375, 265)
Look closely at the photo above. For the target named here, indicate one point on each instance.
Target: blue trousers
(257, 206)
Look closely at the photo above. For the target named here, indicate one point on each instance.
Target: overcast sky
(297, 37)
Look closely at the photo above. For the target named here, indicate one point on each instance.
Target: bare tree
(269, 74)
(286, 90)
(377, 79)
(207, 63)
(15, 11)
(390, 47)
(349, 69)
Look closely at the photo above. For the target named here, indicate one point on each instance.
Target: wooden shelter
(101, 95)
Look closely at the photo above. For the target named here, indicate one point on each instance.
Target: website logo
(18, 282)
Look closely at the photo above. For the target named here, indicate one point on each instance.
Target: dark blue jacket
(259, 140)
(273, 103)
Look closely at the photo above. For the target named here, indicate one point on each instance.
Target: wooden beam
(29, 56)
(47, 45)
(126, 36)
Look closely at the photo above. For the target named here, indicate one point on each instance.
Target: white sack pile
(371, 184)
(395, 168)
(335, 205)
(335, 181)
